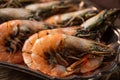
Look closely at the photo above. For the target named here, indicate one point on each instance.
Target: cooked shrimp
(79, 31)
(69, 19)
(52, 54)
(14, 13)
(101, 17)
(12, 37)
(30, 11)
(44, 6)
(47, 9)
(58, 60)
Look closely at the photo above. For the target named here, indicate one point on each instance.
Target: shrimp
(30, 11)
(69, 19)
(78, 31)
(54, 55)
(14, 13)
(100, 18)
(12, 36)
(44, 10)
(37, 6)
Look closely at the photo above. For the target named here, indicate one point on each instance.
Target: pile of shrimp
(59, 38)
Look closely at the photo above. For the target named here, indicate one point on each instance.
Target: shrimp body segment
(12, 36)
(52, 54)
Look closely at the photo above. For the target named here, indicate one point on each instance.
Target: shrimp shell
(45, 50)
(12, 36)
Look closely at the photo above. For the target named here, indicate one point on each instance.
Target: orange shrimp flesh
(12, 37)
(52, 54)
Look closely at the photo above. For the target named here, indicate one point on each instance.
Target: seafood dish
(58, 39)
